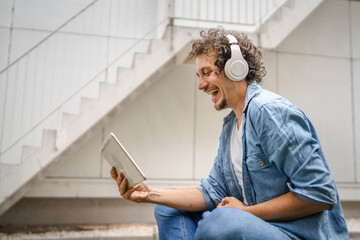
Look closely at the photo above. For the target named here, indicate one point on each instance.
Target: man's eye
(207, 73)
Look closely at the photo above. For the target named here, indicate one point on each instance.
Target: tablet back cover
(116, 155)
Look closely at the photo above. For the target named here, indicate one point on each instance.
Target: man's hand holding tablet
(130, 179)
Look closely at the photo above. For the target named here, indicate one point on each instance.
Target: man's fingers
(224, 202)
(122, 185)
(129, 192)
(120, 177)
(113, 173)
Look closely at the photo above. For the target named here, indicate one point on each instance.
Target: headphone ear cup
(236, 69)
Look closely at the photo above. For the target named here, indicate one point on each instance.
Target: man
(270, 179)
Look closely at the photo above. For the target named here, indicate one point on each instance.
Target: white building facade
(74, 71)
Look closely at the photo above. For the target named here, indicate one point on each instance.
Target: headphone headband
(232, 39)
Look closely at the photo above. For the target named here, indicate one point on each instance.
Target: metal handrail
(210, 21)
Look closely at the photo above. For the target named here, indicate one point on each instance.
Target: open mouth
(213, 93)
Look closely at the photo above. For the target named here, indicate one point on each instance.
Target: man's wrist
(253, 209)
(153, 196)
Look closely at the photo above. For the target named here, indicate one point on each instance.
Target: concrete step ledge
(354, 228)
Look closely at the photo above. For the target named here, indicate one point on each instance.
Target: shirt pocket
(257, 161)
(265, 179)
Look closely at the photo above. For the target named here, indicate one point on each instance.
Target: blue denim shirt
(281, 153)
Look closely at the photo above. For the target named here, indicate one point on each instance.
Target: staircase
(267, 22)
(282, 22)
(118, 84)
(17, 178)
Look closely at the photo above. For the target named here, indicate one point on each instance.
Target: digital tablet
(116, 155)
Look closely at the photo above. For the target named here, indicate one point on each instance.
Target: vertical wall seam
(6, 80)
(102, 137)
(194, 133)
(11, 30)
(352, 92)
(108, 43)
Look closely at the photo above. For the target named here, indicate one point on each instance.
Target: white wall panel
(23, 40)
(270, 81)
(45, 14)
(85, 162)
(321, 87)
(2, 100)
(4, 47)
(355, 28)
(157, 129)
(324, 32)
(101, 18)
(131, 19)
(143, 17)
(60, 66)
(5, 12)
(356, 77)
(11, 104)
(94, 20)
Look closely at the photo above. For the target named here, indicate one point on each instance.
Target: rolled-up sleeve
(289, 140)
(213, 188)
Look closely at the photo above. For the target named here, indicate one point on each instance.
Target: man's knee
(163, 213)
(224, 223)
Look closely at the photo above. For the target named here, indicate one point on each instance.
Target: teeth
(212, 91)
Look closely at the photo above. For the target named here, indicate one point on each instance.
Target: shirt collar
(253, 89)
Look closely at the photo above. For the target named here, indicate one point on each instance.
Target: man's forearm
(188, 199)
(285, 208)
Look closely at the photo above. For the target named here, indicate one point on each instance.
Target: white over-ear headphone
(236, 68)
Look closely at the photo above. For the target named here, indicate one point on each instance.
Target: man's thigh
(230, 223)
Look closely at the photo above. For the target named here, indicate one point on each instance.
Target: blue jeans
(221, 223)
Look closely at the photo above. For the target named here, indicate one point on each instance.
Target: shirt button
(247, 181)
(261, 163)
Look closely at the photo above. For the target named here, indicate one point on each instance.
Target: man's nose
(202, 84)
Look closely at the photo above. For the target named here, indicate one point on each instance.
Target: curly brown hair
(215, 40)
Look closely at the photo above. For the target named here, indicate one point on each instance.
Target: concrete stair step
(123, 74)
(87, 104)
(354, 228)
